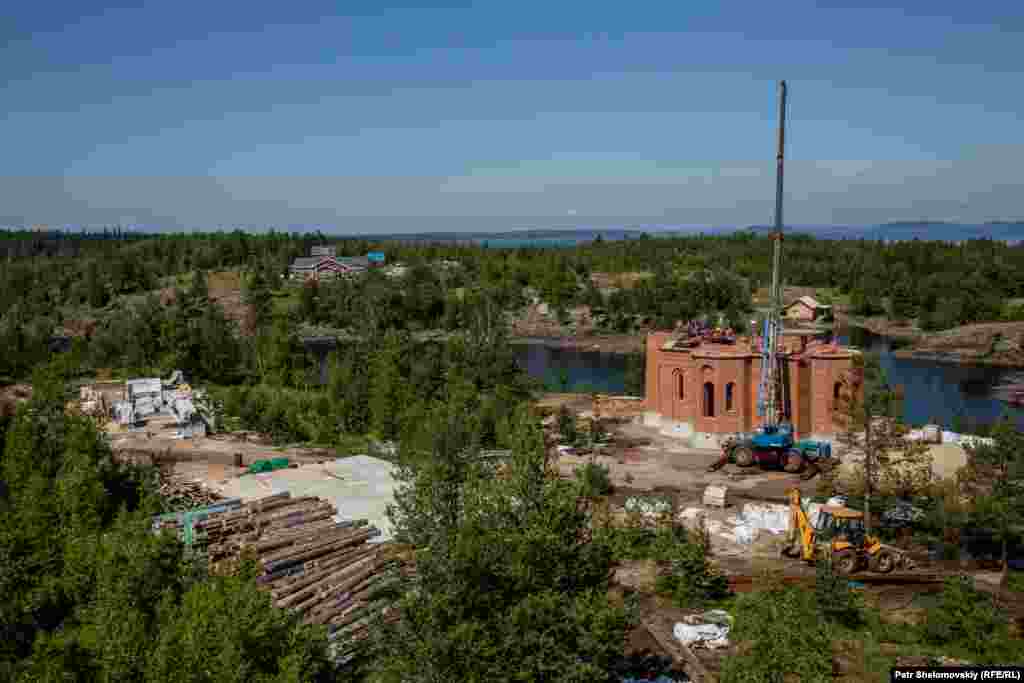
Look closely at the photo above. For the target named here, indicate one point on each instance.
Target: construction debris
(648, 507)
(330, 572)
(715, 496)
(710, 630)
(148, 398)
(182, 493)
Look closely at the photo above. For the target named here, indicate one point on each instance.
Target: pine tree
(545, 614)
(258, 296)
(388, 391)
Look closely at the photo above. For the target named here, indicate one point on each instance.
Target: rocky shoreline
(994, 344)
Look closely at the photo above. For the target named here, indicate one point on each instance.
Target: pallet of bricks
(329, 572)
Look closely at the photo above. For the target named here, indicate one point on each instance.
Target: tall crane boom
(769, 393)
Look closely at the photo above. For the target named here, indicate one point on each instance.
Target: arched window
(709, 399)
(680, 384)
(729, 389)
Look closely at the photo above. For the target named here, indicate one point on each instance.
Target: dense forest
(89, 593)
(152, 289)
(221, 307)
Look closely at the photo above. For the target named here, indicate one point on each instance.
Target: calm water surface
(933, 390)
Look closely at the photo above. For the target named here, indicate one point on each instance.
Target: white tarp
(649, 507)
(769, 517)
(969, 440)
(710, 630)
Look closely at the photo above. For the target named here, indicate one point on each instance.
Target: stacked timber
(182, 493)
(329, 572)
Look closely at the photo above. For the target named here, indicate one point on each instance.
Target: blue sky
(501, 115)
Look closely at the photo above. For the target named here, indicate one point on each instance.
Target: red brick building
(709, 390)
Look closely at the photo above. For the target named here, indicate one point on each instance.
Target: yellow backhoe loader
(840, 535)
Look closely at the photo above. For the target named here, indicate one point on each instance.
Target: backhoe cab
(840, 534)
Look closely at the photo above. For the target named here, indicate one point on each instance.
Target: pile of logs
(182, 493)
(327, 571)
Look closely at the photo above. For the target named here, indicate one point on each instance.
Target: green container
(268, 465)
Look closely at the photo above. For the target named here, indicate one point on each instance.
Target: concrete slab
(360, 487)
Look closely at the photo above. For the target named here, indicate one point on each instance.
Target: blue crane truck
(774, 447)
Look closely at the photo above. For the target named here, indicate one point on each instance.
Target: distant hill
(1009, 231)
(1002, 230)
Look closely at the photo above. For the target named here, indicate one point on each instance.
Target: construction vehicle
(839, 535)
(773, 444)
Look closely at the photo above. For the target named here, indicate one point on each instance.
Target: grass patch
(352, 444)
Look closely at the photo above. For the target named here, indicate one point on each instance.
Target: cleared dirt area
(151, 445)
(642, 459)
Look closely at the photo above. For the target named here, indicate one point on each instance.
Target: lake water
(582, 370)
(932, 390)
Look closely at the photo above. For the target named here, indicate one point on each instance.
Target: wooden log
(289, 514)
(249, 518)
(288, 576)
(336, 604)
(343, 614)
(297, 543)
(310, 529)
(346, 558)
(327, 566)
(264, 529)
(346, 579)
(321, 588)
(268, 530)
(261, 504)
(308, 552)
(284, 538)
(247, 513)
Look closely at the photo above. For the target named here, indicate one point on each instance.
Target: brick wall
(682, 384)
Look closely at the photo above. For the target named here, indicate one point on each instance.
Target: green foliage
(593, 480)
(88, 592)
(998, 470)
(691, 579)
(836, 600)
(225, 629)
(635, 376)
(388, 390)
(787, 637)
(543, 612)
(259, 296)
(967, 619)
(567, 425)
